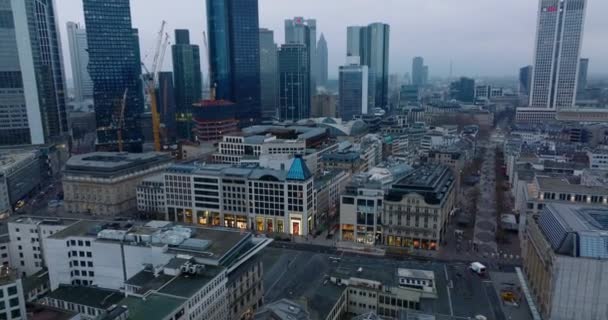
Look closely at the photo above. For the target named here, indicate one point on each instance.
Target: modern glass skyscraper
(166, 105)
(304, 31)
(463, 90)
(375, 46)
(234, 48)
(583, 68)
(419, 72)
(322, 56)
(353, 90)
(353, 41)
(525, 80)
(558, 41)
(187, 78)
(115, 68)
(294, 78)
(269, 75)
(32, 87)
(373, 51)
(79, 58)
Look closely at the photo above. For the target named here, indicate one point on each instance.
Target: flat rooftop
(87, 296)
(562, 185)
(9, 159)
(426, 176)
(41, 312)
(154, 306)
(111, 164)
(204, 243)
(187, 285)
(42, 220)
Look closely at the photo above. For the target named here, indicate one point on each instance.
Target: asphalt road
(491, 264)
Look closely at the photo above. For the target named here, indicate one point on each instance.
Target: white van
(478, 268)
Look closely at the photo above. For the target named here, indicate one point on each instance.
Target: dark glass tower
(188, 77)
(463, 90)
(234, 51)
(294, 79)
(166, 105)
(269, 74)
(374, 47)
(32, 87)
(525, 80)
(114, 66)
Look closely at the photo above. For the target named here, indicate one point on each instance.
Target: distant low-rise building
(566, 261)
(105, 183)
(598, 159)
(390, 294)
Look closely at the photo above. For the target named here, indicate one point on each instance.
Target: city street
(298, 271)
(484, 240)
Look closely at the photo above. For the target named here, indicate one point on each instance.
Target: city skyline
(515, 24)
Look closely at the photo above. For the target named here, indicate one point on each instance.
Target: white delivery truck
(478, 268)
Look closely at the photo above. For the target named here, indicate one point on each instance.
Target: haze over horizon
(483, 38)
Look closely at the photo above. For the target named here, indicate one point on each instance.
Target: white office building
(26, 236)
(94, 265)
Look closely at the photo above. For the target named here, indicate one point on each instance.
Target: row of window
(80, 243)
(75, 253)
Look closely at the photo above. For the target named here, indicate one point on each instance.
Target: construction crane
(120, 123)
(152, 79)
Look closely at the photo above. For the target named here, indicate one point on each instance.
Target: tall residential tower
(115, 68)
(32, 87)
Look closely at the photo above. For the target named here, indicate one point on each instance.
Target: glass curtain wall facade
(374, 48)
(235, 55)
(294, 79)
(188, 82)
(269, 74)
(115, 68)
(32, 87)
(166, 105)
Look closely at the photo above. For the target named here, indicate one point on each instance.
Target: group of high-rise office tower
(247, 68)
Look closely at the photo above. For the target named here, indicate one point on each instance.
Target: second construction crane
(151, 79)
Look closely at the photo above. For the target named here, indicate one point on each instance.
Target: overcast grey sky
(481, 37)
